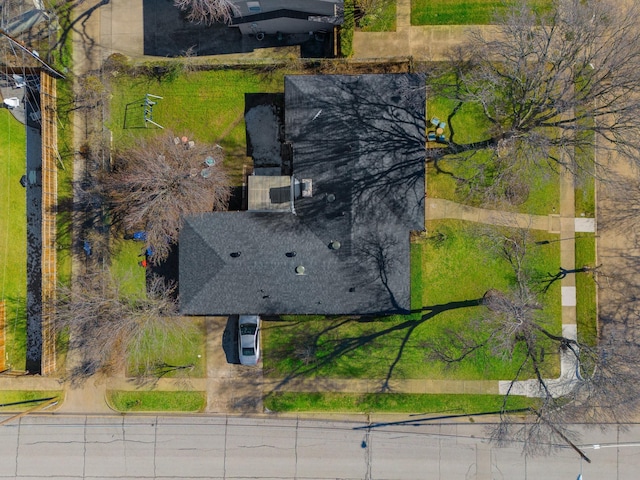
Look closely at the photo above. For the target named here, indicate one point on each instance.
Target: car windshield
(248, 329)
(248, 351)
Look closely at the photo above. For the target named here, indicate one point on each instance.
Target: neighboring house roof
(247, 8)
(358, 149)
(287, 16)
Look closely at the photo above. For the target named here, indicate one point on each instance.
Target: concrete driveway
(231, 387)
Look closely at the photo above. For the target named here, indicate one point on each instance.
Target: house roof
(358, 150)
(285, 8)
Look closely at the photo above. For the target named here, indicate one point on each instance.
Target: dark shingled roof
(360, 140)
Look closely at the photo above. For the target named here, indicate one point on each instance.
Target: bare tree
(156, 183)
(551, 87)
(208, 11)
(104, 325)
(597, 385)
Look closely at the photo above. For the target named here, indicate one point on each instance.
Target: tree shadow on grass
(349, 345)
(75, 19)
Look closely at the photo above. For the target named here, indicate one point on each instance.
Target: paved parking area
(231, 387)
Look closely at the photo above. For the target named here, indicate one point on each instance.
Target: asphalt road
(142, 447)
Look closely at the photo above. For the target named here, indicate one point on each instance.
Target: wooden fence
(49, 210)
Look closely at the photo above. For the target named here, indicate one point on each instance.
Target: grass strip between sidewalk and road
(11, 400)
(391, 402)
(155, 401)
(586, 307)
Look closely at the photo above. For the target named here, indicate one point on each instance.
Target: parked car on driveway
(249, 339)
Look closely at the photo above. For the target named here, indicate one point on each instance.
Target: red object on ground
(143, 263)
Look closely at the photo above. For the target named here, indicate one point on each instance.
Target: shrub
(346, 31)
(117, 63)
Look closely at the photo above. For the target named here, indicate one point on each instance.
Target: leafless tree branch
(208, 11)
(104, 324)
(156, 183)
(551, 87)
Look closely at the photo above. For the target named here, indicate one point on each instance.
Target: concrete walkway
(437, 208)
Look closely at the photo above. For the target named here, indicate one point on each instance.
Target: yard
(463, 12)
(457, 268)
(14, 237)
(177, 353)
(207, 106)
(21, 400)
(468, 124)
(451, 266)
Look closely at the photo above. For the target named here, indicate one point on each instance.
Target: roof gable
(358, 145)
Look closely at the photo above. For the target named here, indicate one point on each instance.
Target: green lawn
(586, 307)
(586, 289)
(585, 190)
(8, 397)
(417, 287)
(208, 105)
(154, 401)
(458, 266)
(463, 12)
(585, 198)
(125, 267)
(65, 178)
(179, 352)
(392, 402)
(544, 186)
(380, 19)
(468, 124)
(457, 269)
(13, 239)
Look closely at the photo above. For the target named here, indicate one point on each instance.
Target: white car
(249, 339)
